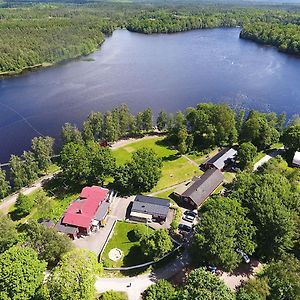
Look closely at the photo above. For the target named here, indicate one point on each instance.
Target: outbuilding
(200, 188)
(146, 208)
(221, 160)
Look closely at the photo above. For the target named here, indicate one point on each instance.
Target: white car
(188, 218)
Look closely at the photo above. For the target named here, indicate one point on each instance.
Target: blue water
(169, 72)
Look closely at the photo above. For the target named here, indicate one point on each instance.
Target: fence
(145, 264)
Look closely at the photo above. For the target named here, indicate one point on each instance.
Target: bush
(175, 222)
(24, 205)
(113, 295)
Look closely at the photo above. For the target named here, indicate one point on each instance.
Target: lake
(165, 72)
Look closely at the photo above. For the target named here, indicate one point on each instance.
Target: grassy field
(166, 194)
(51, 201)
(175, 169)
(120, 239)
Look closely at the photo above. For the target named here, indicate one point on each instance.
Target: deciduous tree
(23, 206)
(162, 290)
(224, 227)
(162, 120)
(74, 277)
(140, 174)
(8, 233)
(42, 148)
(21, 273)
(70, 133)
(4, 184)
(245, 155)
(156, 244)
(75, 162)
(291, 138)
(47, 242)
(203, 285)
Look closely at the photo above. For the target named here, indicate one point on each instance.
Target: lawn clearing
(175, 169)
(120, 239)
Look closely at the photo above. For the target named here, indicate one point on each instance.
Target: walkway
(10, 200)
(172, 187)
(191, 161)
(124, 142)
(267, 157)
(141, 282)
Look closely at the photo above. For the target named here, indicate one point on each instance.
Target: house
(296, 159)
(85, 214)
(221, 160)
(145, 208)
(200, 188)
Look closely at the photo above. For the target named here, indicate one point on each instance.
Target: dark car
(191, 213)
(184, 227)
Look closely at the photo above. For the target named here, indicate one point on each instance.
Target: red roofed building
(86, 213)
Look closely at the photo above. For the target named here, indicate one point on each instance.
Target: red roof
(81, 212)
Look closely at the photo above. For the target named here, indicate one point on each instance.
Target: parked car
(243, 255)
(212, 269)
(191, 213)
(184, 227)
(188, 218)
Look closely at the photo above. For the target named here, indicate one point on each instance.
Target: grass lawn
(175, 169)
(120, 239)
(166, 194)
(201, 157)
(55, 201)
(229, 176)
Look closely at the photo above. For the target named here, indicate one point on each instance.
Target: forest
(285, 37)
(33, 35)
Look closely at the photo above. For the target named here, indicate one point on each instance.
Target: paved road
(10, 200)
(96, 241)
(267, 158)
(141, 282)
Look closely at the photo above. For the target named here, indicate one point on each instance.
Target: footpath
(10, 200)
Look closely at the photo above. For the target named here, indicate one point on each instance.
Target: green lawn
(175, 169)
(120, 239)
(55, 202)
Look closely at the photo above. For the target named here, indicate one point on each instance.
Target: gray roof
(102, 211)
(151, 205)
(219, 160)
(204, 186)
(67, 229)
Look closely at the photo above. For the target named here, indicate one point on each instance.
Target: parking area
(96, 241)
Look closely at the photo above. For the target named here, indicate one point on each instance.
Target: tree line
(42, 34)
(285, 37)
(85, 157)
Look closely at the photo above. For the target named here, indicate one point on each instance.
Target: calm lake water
(169, 72)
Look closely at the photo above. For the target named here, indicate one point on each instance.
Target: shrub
(24, 205)
(113, 295)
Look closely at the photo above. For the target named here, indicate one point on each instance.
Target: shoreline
(44, 65)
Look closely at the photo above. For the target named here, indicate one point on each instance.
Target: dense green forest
(284, 37)
(43, 34)
(198, 18)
